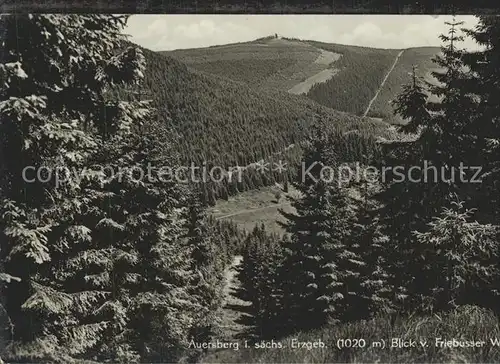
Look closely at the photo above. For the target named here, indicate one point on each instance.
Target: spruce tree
(317, 266)
(453, 115)
(259, 277)
(462, 254)
(368, 241)
(484, 65)
(443, 141)
(56, 71)
(411, 105)
(148, 271)
(208, 262)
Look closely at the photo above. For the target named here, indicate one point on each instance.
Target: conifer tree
(317, 265)
(208, 259)
(259, 277)
(368, 240)
(461, 253)
(443, 141)
(454, 113)
(50, 61)
(411, 104)
(485, 65)
(149, 272)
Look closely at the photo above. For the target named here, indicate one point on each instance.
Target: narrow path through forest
(231, 316)
(233, 313)
(383, 82)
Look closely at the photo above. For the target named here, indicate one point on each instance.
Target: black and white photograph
(249, 188)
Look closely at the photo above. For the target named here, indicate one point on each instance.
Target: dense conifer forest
(279, 63)
(99, 266)
(222, 123)
(361, 72)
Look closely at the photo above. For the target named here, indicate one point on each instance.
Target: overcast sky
(167, 32)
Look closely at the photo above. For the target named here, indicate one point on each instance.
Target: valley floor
(252, 208)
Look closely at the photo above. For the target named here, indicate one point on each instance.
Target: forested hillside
(421, 59)
(233, 123)
(252, 62)
(361, 72)
(219, 122)
(282, 63)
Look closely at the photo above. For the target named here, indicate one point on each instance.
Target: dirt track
(233, 310)
(383, 82)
